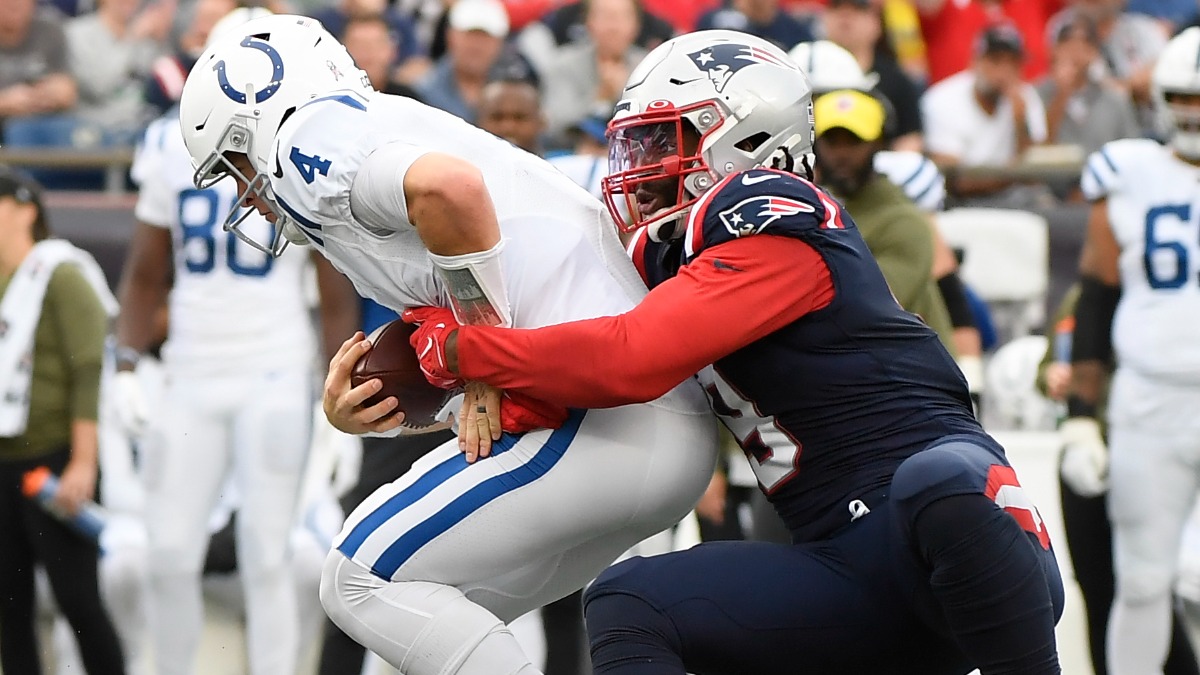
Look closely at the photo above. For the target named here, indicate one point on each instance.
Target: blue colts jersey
(827, 407)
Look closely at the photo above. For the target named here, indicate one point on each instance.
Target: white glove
(129, 402)
(1085, 457)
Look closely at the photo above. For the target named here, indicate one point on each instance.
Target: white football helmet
(1177, 72)
(830, 67)
(698, 108)
(243, 87)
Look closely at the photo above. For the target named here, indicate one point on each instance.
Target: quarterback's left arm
(728, 297)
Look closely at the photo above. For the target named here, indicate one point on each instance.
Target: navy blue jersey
(827, 407)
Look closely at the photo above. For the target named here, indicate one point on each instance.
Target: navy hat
(593, 127)
(1001, 38)
(18, 186)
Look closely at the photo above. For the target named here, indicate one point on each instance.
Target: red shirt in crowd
(950, 33)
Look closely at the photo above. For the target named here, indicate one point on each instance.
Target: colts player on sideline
(418, 208)
(911, 533)
(1138, 285)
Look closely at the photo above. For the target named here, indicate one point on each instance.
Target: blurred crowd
(93, 73)
(983, 88)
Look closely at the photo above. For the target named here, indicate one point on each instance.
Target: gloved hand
(1085, 457)
(519, 413)
(435, 325)
(129, 402)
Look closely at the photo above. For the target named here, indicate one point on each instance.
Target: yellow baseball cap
(859, 113)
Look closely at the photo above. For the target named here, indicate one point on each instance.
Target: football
(394, 362)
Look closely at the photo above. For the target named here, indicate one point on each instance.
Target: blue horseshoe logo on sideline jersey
(276, 73)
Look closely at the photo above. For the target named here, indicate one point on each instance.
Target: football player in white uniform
(1139, 302)
(239, 363)
(419, 208)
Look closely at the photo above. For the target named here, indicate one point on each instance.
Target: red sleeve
(731, 295)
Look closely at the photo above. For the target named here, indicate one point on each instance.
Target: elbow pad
(1094, 312)
(955, 297)
(476, 285)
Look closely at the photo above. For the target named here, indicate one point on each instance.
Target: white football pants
(428, 568)
(257, 426)
(1154, 477)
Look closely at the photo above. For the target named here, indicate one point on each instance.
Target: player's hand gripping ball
(392, 360)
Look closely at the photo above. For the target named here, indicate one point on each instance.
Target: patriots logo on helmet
(753, 215)
(721, 61)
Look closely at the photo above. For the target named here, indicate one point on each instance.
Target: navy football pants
(937, 579)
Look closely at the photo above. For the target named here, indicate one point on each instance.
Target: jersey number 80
(198, 214)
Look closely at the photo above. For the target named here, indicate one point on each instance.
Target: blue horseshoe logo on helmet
(276, 73)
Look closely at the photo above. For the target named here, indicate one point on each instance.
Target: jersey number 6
(1162, 253)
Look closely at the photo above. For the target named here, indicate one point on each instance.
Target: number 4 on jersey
(309, 165)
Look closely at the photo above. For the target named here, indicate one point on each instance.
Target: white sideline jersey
(920, 179)
(1154, 211)
(232, 309)
(561, 261)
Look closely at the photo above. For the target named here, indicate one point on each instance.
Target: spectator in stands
(409, 60)
(985, 116)
(56, 309)
(111, 52)
(475, 35)
(849, 129)
(951, 28)
(1082, 107)
(568, 24)
(763, 18)
(511, 108)
(587, 77)
(193, 23)
(857, 25)
(1129, 43)
(372, 45)
(34, 77)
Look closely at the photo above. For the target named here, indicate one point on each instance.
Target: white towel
(20, 310)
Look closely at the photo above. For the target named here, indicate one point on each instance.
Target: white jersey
(561, 262)
(232, 309)
(916, 175)
(1154, 211)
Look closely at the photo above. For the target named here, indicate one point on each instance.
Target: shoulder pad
(759, 201)
(316, 155)
(1110, 169)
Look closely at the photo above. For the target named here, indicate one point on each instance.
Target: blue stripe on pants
(409, 495)
(461, 507)
(475, 498)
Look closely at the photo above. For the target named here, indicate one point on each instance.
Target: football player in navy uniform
(915, 549)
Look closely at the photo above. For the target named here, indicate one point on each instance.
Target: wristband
(126, 356)
(1077, 407)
